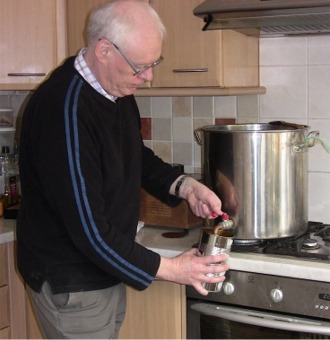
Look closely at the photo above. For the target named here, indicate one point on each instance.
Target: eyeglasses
(135, 69)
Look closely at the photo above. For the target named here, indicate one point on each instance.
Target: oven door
(212, 321)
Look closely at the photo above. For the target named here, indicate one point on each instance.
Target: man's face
(117, 76)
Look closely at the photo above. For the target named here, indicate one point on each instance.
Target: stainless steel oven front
(259, 306)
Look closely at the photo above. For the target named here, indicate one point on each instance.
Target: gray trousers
(84, 315)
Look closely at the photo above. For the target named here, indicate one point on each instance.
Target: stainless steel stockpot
(259, 171)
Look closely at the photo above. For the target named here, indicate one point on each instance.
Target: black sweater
(82, 164)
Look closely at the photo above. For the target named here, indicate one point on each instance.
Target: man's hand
(202, 201)
(190, 269)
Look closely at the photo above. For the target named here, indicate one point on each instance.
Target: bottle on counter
(4, 183)
(15, 161)
(9, 177)
(1, 207)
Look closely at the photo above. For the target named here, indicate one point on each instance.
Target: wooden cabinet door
(29, 41)
(16, 296)
(3, 265)
(5, 333)
(77, 15)
(32, 328)
(189, 53)
(4, 294)
(4, 307)
(159, 312)
(196, 58)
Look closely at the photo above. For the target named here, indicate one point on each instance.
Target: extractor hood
(267, 17)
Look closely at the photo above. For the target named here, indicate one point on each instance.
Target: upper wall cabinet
(193, 58)
(32, 41)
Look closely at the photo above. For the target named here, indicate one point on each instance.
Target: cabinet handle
(187, 70)
(32, 74)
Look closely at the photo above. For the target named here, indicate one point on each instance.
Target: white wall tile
(248, 107)
(283, 51)
(144, 104)
(161, 129)
(163, 150)
(319, 198)
(319, 92)
(203, 106)
(225, 107)
(286, 94)
(148, 143)
(183, 154)
(319, 158)
(182, 129)
(197, 156)
(161, 107)
(182, 107)
(319, 50)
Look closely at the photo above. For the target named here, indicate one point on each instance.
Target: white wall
(296, 73)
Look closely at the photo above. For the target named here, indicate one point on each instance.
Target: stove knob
(228, 288)
(276, 294)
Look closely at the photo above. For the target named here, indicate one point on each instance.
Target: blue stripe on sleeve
(80, 189)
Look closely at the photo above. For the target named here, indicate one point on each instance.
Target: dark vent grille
(288, 24)
(294, 29)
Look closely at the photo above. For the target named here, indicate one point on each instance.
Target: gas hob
(313, 245)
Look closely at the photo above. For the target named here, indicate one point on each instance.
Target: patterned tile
(225, 121)
(146, 128)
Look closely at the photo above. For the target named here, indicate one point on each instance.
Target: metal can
(214, 244)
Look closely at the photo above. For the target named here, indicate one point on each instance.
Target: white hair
(116, 22)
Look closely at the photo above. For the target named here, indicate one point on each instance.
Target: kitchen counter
(7, 230)
(152, 238)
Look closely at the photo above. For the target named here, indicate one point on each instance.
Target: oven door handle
(264, 319)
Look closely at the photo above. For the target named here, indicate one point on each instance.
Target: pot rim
(256, 128)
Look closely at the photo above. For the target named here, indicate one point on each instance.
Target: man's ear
(102, 49)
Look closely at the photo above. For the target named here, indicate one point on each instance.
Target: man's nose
(147, 75)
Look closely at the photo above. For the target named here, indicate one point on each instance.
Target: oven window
(215, 328)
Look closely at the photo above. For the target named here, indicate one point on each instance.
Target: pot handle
(310, 141)
(288, 124)
(198, 137)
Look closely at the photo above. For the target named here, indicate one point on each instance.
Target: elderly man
(82, 164)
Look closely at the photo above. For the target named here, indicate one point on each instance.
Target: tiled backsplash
(296, 73)
(174, 119)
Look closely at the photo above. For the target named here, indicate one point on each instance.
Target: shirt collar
(82, 67)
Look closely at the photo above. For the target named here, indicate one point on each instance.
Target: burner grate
(296, 246)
